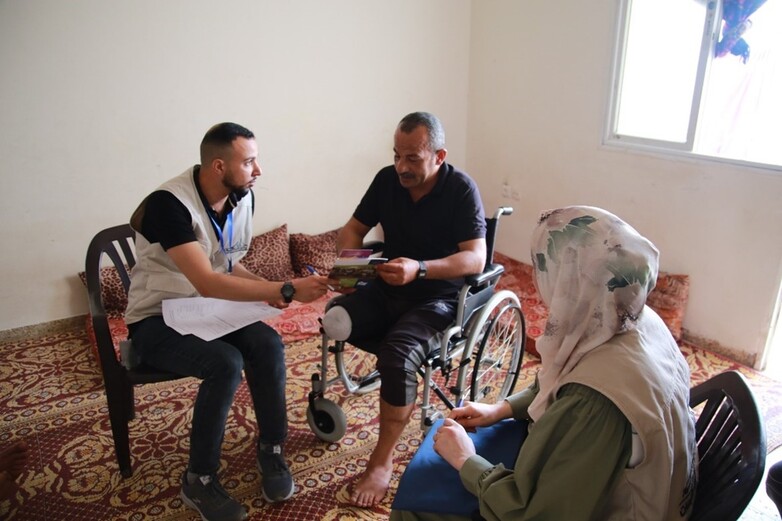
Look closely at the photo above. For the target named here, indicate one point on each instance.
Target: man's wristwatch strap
(287, 290)
(421, 270)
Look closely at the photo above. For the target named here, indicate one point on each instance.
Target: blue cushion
(431, 484)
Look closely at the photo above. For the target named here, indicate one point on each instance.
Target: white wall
(101, 101)
(540, 76)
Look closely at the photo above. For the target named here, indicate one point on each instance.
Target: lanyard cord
(229, 230)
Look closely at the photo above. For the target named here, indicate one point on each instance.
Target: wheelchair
(481, 352)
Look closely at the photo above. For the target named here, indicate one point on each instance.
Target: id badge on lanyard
(229, 232)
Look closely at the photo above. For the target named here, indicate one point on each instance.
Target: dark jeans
(256, 348)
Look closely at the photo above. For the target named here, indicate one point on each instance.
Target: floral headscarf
(593, 271)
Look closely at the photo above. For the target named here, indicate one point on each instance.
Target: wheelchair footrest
(368, 383)
(368, 379)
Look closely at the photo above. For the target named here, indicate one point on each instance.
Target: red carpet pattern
(51, 396)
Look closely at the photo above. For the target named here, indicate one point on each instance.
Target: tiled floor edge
(747, 359)
(45, 328)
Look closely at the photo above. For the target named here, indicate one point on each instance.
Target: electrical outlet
(506, 191)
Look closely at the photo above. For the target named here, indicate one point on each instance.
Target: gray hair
(433, 128)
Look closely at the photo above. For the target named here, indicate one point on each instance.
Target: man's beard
(233, 187)
(237, 192)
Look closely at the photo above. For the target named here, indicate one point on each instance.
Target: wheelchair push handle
(503, 210)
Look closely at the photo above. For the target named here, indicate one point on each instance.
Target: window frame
(612, 138)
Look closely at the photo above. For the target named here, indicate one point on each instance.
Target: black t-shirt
(167, 220)
(430, 228)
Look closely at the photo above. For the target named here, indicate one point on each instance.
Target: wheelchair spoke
(497, 360)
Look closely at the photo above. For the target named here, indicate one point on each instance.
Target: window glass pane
(741, 114)
(660, 67)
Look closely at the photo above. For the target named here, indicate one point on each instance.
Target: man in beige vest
(191, 234)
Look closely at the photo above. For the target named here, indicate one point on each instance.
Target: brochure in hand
(355, 267)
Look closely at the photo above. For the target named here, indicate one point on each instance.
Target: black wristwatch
(287, 290)
(421, 270)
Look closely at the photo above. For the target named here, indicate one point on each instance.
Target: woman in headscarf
(611, 434)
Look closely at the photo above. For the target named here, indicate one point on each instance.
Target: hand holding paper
(355, 267)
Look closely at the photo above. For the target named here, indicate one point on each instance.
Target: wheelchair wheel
(327, 420)
(500, 337)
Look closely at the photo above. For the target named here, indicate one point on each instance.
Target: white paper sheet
(210, 318)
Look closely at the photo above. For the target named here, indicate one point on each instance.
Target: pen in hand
(313, 271)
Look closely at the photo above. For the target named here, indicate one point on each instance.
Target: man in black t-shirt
(434, 233)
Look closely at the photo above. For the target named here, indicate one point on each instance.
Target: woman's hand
(474, 414)
(453, 444)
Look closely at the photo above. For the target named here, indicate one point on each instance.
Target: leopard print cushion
(112, 292)
(117, 328)
(318, 251)
(269, 255)
(669, 299)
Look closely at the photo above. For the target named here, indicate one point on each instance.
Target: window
(701, 77)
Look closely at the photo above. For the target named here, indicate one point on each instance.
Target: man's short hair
(433, 128)
(219, 138)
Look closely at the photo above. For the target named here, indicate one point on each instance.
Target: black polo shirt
(430, 228)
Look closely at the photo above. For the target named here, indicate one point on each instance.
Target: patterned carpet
(51, 395)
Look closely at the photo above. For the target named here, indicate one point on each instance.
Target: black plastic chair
(731, 447)
(116, 243)
(774, 485)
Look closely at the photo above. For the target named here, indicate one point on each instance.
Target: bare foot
(371, 486)
(13, 459)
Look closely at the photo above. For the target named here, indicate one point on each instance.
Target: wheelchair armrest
(491, 272)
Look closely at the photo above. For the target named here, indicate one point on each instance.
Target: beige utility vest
(648, 379)
(155, 277)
